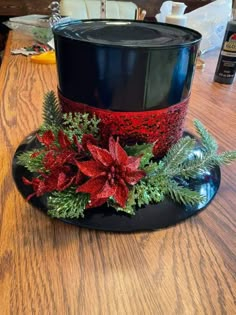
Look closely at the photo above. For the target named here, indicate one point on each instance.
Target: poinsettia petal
(88, 138)
(63, 140)
(49, 160)
(63, 157)
(26, 181)
(133, 162)
(79, 177)
(112, 147)
(64, 181)
(47, 138)
(100, 155)
(40, 188)
(78, 145)
(121, 155)
(133, 177)
(90, 168)
(121, 194)
(93, 185)
(107, 191)
(30, 196)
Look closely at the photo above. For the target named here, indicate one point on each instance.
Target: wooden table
(48, 267)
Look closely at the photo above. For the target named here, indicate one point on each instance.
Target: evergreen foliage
(225, 158)
(182, 194)
(177, 155)
(144, 150)
(67, 204)
(30, 162)
(130, 204)
(79, 124)
(206, 139)
(147, 192)
(52, 114)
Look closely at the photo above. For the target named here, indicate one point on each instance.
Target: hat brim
(148, 218)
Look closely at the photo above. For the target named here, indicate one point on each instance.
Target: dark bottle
(226, 66)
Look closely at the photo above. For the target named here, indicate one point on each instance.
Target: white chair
(90, 9)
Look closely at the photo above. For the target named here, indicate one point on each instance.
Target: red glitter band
(162, 126)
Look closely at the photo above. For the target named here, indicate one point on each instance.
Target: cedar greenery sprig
(67, 204)
(164, 178)
(31, 164)
(78, 124)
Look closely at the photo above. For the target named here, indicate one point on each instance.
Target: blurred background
(13, 8)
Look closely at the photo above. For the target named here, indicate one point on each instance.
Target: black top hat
(135, 76)
(125, 65)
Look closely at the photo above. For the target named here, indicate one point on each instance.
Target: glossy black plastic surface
(125, 65)
(148, 218)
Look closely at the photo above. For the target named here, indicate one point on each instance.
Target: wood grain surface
(48, 267)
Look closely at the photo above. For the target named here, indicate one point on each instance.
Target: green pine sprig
(177, 155)
(225, 158)
(207, 141)
(52, 115)
(196, 165)
(67, 204)
(205, 160)
(159, 185)
(182, 194)
(32, 164)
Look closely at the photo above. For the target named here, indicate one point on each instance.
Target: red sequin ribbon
(162, 126)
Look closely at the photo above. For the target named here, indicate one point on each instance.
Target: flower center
(116, 173)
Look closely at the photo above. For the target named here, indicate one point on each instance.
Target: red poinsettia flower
(111, 174)
(47, 138)
(59, 171)
(58, 180)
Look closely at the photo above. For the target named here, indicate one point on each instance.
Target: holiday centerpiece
(111, 154)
